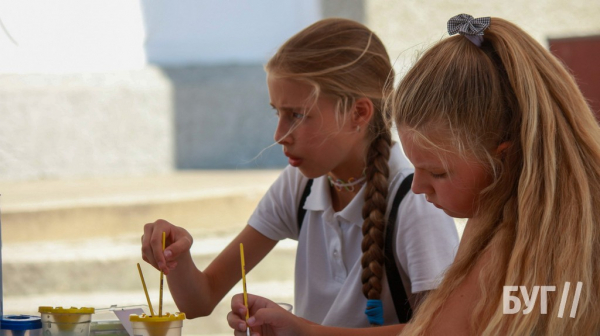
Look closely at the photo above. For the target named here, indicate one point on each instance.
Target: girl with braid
(498, 132)
(326, 85)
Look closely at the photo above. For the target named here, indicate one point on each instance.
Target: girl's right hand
(177, 242)
(267, 318)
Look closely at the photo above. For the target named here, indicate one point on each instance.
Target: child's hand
(267, 318)
(178, 241)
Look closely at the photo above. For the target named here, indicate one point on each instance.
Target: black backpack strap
(401, 303)
(301, 210)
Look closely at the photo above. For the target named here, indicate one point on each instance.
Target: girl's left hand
(267, 318)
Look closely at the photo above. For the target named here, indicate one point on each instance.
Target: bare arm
(391, 330)
(268, 318)
(455, 316)
(198, 292)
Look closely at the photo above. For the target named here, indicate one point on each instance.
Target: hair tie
(374, 312)
(469, 27)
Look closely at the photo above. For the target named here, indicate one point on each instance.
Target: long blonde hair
(344, 59)
(538, 217)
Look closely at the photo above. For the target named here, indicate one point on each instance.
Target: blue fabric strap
(374, 312)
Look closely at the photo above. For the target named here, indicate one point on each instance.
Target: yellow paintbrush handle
(244, 280)
(160, 295)
(145, 289)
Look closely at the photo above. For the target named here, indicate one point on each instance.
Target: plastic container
(166, 325)
(108, 327)
(21, 325)
(106, 323)
(66, 321)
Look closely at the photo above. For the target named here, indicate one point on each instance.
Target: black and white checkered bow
(465, 24)
(469, 27)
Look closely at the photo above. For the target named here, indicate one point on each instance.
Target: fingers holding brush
(178, 242)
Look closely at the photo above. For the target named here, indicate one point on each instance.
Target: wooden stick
(160, 295)
(145, 289)
(244, 284)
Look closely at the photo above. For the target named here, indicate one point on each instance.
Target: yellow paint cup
(61, 321)
(166, 325)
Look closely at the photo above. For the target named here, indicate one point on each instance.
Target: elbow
(195, 312)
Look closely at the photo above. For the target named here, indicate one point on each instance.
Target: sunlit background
(115, 113)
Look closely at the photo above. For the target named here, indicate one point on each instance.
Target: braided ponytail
(374, 209)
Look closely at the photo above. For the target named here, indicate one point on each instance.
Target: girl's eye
(289, 114)
(277, 113)
(438, 175)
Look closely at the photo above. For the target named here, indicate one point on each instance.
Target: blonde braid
(374, 209)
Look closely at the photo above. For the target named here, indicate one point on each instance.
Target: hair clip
(469, 27)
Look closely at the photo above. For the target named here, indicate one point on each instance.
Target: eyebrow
(286, 107)
(429, 167)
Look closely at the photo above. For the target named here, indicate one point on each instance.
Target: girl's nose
(283, 134)
(420, 184)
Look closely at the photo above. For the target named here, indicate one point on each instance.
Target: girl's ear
(363, 112)
(501, 149)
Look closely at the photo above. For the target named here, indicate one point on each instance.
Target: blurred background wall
(131, 87)
(128, 87)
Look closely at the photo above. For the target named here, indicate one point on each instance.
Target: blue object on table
(20, 325)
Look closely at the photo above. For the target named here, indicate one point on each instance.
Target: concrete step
(102, 265)
(80, 209)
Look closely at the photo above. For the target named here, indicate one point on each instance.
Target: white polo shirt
(327, 276)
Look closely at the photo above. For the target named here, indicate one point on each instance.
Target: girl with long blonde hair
(499, 133)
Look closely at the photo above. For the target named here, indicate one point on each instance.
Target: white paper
(123, 315)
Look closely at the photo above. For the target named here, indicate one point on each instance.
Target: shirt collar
(320, 199)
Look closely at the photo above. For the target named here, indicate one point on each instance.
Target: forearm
(190, 288)
(197, 293)
(391, 330)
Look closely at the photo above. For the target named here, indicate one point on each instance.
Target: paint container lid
(20, 322)
(165, 318)
(61, 310)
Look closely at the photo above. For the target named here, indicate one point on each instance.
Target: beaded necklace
(349, 185)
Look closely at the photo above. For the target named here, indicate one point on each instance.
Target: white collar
(320, 198)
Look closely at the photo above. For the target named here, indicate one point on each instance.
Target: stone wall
(409, 27)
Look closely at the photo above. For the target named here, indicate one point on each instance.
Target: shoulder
(454, 317)
(276, 214)
(286, 191)
(290, 181)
